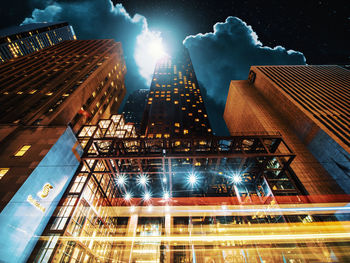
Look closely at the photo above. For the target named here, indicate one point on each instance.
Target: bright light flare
(236, 179)
(143, 180)
(156, 48)
(166, 196)
(146, 196)
(127, 197)
(192, 179)
(121, 180)
(149, 49)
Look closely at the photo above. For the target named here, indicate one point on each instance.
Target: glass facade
(26, 215)
(209, 199)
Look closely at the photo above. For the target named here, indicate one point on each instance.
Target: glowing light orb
(164, 180)
(236, 179)
(132, 208)
(149, 208)
(121, 180)
(127, 196)
(192, 179)
(149, 49)
(147, 196)
(166, 196)
(156, 48)
(143, 180)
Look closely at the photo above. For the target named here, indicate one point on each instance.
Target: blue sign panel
(24, 218)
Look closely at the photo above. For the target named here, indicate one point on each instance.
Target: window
(3, 171)
(23, 150)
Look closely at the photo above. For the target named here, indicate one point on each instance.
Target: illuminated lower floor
(257, 233)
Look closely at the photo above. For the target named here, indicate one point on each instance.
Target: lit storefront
(213, 199)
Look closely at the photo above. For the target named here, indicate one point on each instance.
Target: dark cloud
(227, 54)
(218, 57)
(215, 111)
(98, 19)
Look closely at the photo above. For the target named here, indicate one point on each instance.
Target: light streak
(211, 238)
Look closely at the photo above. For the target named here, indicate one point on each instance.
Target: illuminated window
(159, 135)
(166, 135)
(23, 150)
(177, 143)
(199, 110)
(176, 102)
(190, 114)
(209, 130)
(177, 124)
(183, 108)
(196, 120)
(49, 93)
(3, 171)
(19, 92)
(185, 131)
(205, 115)
(168, 99)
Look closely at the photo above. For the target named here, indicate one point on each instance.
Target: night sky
(249, 33)
(320, 29)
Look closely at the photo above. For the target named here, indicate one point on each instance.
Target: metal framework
(110, 151)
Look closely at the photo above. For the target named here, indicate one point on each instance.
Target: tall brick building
(309, 106)
(22, 40)
(45, 98)
(175, 105)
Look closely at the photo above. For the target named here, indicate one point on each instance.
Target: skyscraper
(22, 40)
(73, 82)
(309, 106)
(175, 105)
(45, 98)
(176, 196)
